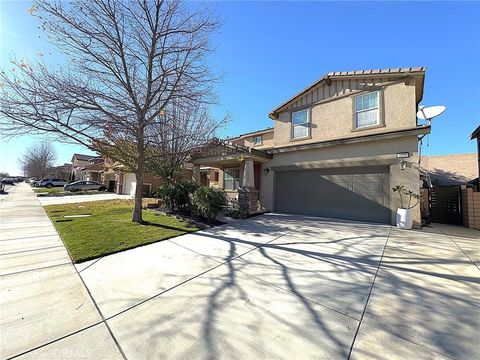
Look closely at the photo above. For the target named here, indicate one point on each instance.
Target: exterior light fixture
(266, 171)
(402, 156)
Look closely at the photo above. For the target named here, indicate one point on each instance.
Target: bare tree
(128, 60)
(38, 159)
(182, 128)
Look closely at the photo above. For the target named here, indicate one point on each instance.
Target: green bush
(208, 202)
(177, 194)
(237, 213)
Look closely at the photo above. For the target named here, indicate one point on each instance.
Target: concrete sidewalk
(46, 311)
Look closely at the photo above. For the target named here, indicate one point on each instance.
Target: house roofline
(398, 72)
(263, 131)
(87, 157)
(475, 133)
(418, 130)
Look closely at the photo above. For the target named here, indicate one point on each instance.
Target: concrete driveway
(274, 286)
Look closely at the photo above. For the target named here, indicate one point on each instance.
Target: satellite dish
(428, 113)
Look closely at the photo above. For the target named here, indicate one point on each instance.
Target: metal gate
(445, 205)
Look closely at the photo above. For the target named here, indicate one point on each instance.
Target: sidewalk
(44, 305)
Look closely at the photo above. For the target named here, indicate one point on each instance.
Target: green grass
(59, 191)
(110, 228)
(53, 190)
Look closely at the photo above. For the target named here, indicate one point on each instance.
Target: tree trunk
(137, 210)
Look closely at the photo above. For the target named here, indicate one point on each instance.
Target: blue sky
(268, 51)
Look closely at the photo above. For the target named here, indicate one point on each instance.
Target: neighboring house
(476, 135)
(451, 169)
(127, 182)
(115, 177)
(79, 161)
(94, 170)
(261, 139)
(60, 172)
(333, 151)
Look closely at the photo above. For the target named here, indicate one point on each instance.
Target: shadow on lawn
(167, 227)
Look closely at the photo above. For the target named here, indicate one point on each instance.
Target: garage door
(347, 193)
(130, 182)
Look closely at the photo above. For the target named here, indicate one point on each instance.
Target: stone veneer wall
(248, 200)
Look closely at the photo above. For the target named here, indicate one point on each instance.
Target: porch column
(247, 195)
(248, 180)
(196, 174)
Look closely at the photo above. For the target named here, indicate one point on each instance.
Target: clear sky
(268, 51)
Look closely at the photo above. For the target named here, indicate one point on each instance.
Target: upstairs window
(300, 120)
(231, 178)
(257, 140)
(366, 110)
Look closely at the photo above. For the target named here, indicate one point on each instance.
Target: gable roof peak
(397, 72)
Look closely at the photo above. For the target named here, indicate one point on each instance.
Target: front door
(257, 172)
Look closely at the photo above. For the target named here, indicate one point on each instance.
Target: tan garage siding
(374, 153)
(353, 193)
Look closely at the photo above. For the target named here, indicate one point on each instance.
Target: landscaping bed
(106, 227)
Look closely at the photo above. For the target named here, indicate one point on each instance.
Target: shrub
(177, 194)
(237, 213)
(408, 193)
(208, 202)
(234, 210)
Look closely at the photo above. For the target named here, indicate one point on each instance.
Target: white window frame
(255, 140)
(293, 126)
(356, 112)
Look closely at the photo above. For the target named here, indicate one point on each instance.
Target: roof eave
(475, 133)
(417, 71)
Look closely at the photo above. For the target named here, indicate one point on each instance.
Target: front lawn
(52, 190)
(59, 191)
(110, 229)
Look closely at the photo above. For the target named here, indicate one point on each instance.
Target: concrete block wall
(471, 208)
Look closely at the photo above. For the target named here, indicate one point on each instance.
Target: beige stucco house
(335, 149)
(116, 178)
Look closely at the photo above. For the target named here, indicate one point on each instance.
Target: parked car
(51, 182)
(8, 181)
(84, 185)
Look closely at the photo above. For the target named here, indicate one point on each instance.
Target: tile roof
(84, 157)
(355, 73)
(252, 133)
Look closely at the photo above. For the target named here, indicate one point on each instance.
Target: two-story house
(336, 148)
(79, 161)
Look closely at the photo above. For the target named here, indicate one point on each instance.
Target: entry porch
(234, 168)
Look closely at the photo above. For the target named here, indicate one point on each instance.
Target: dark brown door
(445, 205)
(257, 169)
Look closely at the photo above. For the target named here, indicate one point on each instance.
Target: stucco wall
(451, 169)
(333, 118)
(267, 141)
(381, 152)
